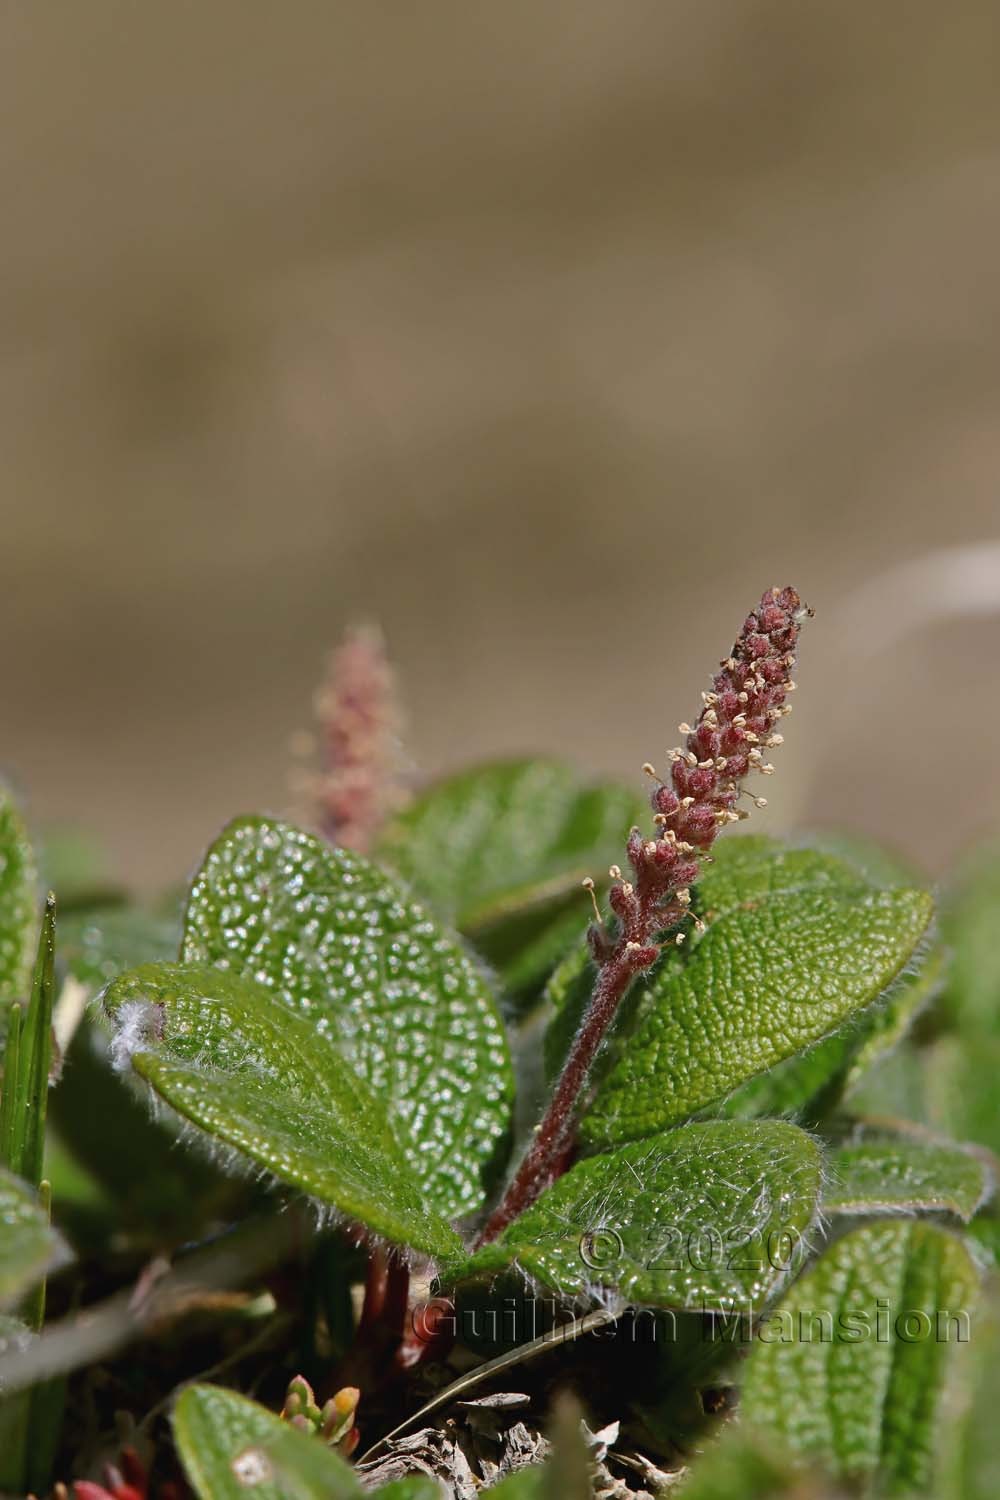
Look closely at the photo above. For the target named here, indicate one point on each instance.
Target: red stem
(553, 1137)
(376, 1280)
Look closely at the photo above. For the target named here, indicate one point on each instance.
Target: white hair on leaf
(139, 1023)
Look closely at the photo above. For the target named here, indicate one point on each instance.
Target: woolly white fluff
(138, 1024)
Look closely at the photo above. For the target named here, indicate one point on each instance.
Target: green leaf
(337, 941)
(812, 1082)
(883, 1173)
(797, 942)
(228, 1056)
(231, 1447)
(695, 1218)
(18, 900)
(498, 838)
(853, 1369)
(29, 1247)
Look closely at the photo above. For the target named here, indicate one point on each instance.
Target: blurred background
(546, 335)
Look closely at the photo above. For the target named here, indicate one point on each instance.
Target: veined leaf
(338, 942)
(884, 1173)
(854, 1369)
(812, 1082)
(28, 1246)
(231, 1447)
(701, 1217)
(797, 942)
(18, 900)
(493, 840)
(227, 1055)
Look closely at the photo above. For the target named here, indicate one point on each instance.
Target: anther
(588, 886)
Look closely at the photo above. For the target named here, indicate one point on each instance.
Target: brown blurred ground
(547, 334)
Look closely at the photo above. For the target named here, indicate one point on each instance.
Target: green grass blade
(33, 1310)
(8, 1096)
(29, 1061)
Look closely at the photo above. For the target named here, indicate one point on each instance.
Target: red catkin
(736, 727)
(358, 725)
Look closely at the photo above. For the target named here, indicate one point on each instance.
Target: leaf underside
(866, 1402)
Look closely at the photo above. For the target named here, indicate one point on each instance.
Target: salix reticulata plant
(346, 1014)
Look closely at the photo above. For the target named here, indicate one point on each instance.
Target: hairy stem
(553, 1137)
